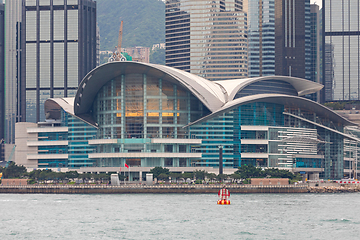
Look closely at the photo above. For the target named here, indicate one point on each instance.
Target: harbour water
(180, 216)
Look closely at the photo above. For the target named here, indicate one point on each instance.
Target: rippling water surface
(180, 216)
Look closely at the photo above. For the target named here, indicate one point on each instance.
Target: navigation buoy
(223, 194)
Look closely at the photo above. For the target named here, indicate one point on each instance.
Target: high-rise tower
(52, 46)
(2, 80)
(279, 45)
(341, 49)
(207, 39)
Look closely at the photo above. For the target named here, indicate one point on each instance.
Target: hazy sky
(318, 2)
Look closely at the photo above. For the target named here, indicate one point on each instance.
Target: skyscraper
(52, 47)
(279, 45)
(207, 39)
(261, 37)
(341, 51)
(315, 48)
(2, 79)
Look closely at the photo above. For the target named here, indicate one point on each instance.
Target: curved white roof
(217, 96)
(302, 86)
(209, 93)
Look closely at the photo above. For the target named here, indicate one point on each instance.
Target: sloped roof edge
(280, 99)
(302, 86)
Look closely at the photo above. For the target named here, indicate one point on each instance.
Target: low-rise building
(148, 115)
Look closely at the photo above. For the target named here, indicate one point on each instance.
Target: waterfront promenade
(181, 188)
(139, 188)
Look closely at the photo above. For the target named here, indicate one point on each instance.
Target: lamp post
(220, 159)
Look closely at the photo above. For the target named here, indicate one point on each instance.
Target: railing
(157, 186)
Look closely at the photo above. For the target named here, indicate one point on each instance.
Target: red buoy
(223, 194)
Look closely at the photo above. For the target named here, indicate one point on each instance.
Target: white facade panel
(174, 140)
(144, 155)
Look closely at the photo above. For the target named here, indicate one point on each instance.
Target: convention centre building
(146, 115)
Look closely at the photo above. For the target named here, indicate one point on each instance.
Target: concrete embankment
(159, 189)
(162, 189)
(335, 189)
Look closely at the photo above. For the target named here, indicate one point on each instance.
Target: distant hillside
(144, 22)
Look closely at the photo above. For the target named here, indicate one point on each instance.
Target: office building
(2, 80)
(315, 48)
(279, 45)
(51, 46)
(341, 49)
(207, 39)
(148, 115)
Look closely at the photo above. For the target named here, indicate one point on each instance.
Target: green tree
(163, 176)
(14, 171)
(175, 176)
(156, 171)
(249, 171)
(211, 176)
(72, 175)
(221, 177)
(187, 175)
(199, 174)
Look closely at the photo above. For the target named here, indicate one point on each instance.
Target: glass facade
(207, 38)
(342, 51)
(261, 134)
(66, 148)
(135, 108)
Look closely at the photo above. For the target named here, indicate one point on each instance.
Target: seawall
(156, 189)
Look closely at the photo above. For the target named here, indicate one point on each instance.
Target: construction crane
(117, 55)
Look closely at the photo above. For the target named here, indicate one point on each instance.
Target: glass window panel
(182, 118)
(153, 104)
(167, 104)
(31, 26)
(152, 86)
(44, 2)
(152, 132)
(152, 119)
(182, 104)
(168, 132)
(353, 66)
(59, 25)
(167, 118)
(72, 24)
(71, 93)
(167, 89)
(58, 64)
(72, 2)
(117, 82)
(30, 2)
(181, 92)
(354, 18)
(58, 2)
(45, 25)
(44, 95)
(45, 65)
(58, 93)
(31, 65)
(31, 106)
(72, 65)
